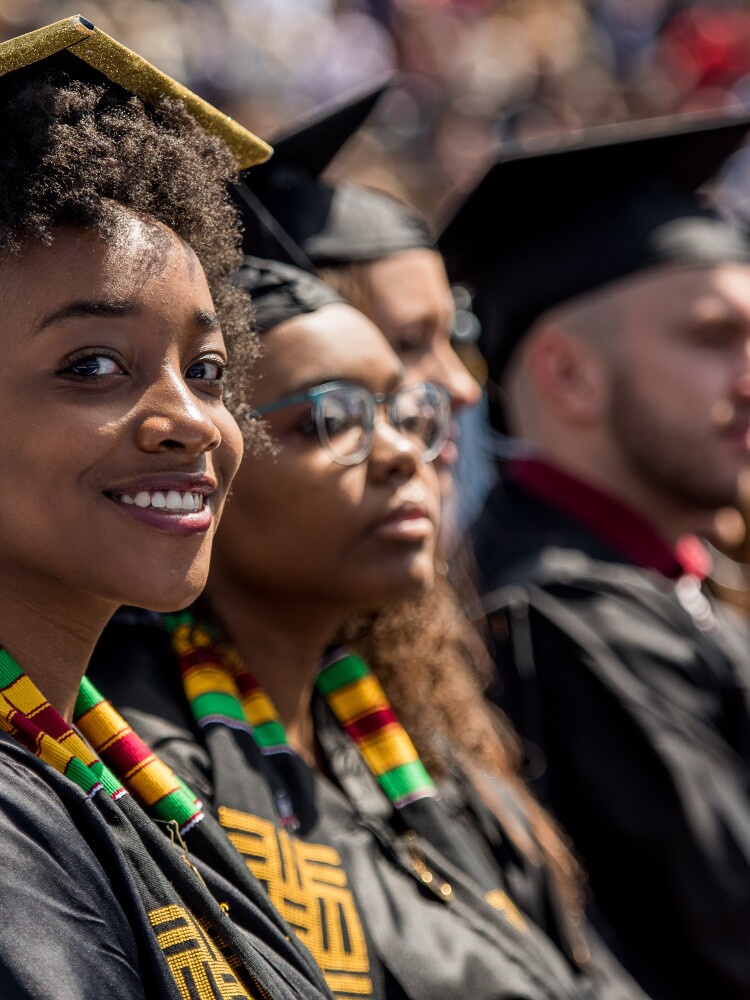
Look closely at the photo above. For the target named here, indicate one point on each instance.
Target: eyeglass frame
(316, 392)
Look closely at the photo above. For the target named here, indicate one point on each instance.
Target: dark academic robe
(373, 922)
(630, 691)
(96, 902)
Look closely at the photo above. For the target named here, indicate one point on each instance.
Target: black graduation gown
(96, 902)
(630, 691)
(399, 939)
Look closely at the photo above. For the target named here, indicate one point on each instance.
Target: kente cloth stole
(221, 690)
(360, 704)
(121, 761)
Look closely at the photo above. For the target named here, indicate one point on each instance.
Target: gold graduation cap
(84, 51)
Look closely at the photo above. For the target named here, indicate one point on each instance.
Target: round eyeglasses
(344, 417)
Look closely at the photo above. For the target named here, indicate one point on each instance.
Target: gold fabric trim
(194, 959)
(501, 901)
(309, 887)
(132, 72)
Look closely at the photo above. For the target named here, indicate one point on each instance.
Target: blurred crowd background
(474, 74)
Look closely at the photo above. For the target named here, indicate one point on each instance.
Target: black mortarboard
(312, 142)
(550, 222)
(262, 235)
(280, 292)
(75, 47)
(332, 223)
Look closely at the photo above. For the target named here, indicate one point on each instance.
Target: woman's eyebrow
(82, 308)
(315, 380)
(324, 379)
(205, 319)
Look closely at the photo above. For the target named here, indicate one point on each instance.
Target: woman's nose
(446, 368)
(174, 420)
(393, 453)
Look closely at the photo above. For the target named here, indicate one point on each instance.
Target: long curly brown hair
(434, 667)
(71, 149)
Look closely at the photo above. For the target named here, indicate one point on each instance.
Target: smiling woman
(127, 383)
(117, 247)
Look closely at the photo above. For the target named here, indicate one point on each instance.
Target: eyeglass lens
(415, 412)
(346, 418)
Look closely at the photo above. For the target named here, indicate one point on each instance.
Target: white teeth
(171, 501)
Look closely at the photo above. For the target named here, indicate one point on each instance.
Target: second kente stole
(120, 762)
(360, 704)
(221, 690)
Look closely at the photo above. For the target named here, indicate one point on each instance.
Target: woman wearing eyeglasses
(290, 738)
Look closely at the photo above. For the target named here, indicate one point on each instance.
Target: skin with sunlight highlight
(115, 390)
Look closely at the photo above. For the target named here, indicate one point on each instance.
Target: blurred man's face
(679, 405)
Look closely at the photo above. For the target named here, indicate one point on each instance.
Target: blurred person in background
(376, 252)
(615, 309)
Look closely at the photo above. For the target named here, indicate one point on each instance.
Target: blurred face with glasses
(343, 416)
(345, 513)
(408, 297)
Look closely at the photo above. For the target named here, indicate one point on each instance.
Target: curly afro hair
(71, 148)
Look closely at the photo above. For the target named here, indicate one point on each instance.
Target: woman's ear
(569, 374)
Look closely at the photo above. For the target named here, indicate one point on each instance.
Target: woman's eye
(307, 427)
(92, 366)
(340, 423)
(409, 345)
(411, 339)
(207, 370)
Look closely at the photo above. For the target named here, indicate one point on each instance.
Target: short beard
(661, 456)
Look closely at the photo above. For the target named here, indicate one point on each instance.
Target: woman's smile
(176, 502)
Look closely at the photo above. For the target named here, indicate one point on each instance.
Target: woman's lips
(176, 522)
(412, 524)
(175, 503)
(738, 434)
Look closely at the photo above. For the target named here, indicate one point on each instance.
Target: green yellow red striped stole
(221, 690)
(120, 762)
(147, 778)
(26, 715)
(360, 704)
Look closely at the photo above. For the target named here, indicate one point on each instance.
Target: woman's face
(301, 527)
(112, 418)
(410, 300)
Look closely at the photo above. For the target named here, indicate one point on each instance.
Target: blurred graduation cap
(548, 222)
(331, 224)
(312, 142)
(281, 291)
(263, 237)
(78, 49)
